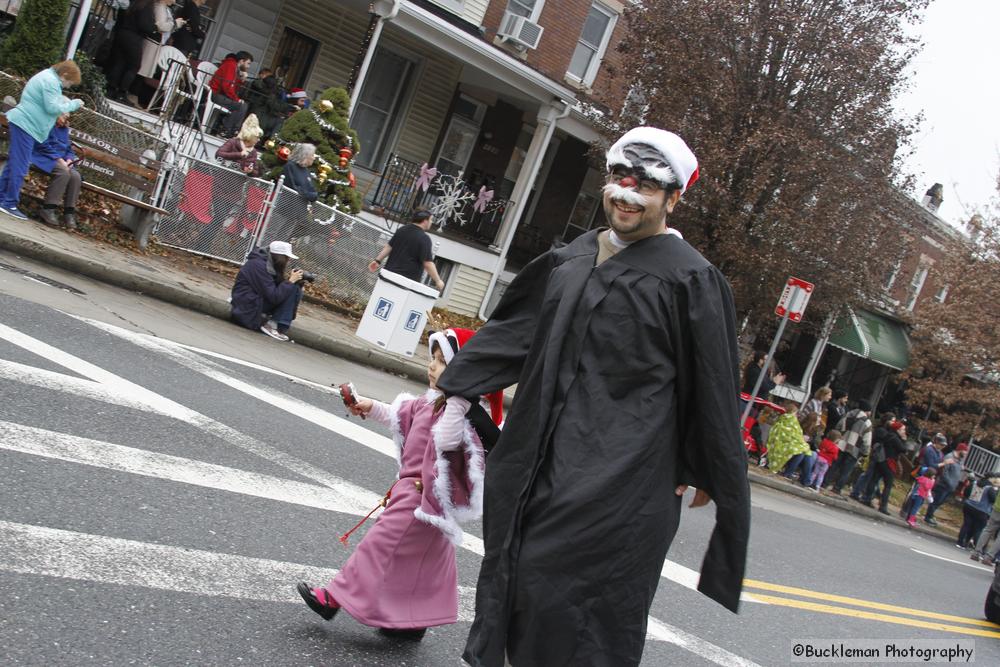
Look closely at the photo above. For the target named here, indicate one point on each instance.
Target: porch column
(548, 116)
(386, 11)
(81, 21)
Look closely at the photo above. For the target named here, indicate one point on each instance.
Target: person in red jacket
(828, 452)
(225, 85)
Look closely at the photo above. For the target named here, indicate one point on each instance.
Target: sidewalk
(174, 278)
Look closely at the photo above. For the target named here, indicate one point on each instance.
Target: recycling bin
(396, 313)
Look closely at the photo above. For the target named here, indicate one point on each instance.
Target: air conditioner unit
(520, 31)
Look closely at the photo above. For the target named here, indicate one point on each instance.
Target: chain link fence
(335, 246)
(214, 210)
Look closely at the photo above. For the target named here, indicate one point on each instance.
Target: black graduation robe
(627, 386)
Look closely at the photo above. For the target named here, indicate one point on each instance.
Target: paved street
(166, 478)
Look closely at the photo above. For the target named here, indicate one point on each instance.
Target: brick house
(862, 350)
(489, 88)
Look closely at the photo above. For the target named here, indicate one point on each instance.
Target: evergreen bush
(38, 39)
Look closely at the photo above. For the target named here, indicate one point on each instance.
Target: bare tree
(787, 104)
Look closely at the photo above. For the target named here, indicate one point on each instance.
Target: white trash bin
(396, 313)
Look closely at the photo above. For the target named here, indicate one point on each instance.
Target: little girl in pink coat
(402, 577)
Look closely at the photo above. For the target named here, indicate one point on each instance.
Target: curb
(206, 305)
(844, 505)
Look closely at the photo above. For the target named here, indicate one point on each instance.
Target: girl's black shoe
(327, 611)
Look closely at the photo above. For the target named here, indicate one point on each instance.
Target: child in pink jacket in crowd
(921, 493)
(402, 577)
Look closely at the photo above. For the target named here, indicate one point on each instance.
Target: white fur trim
(477, 473)
(447, 526)
(675, 152)
(394, 428)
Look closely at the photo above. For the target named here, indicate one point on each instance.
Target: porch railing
(96, 38)
(453, 202)
(982, 461)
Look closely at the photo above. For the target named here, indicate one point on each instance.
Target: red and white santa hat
(296, 93)
(662, 155)
(450, 341)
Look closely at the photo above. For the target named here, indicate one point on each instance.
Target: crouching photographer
(262, 299)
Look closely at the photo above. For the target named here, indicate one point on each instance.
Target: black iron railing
(456, 205)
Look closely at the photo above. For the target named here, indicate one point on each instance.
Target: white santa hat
(662, 155)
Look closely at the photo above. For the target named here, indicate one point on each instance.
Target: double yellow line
(942, 622)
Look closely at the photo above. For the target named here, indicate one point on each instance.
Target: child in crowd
(828, 452)
(921, 493)
(786, 445)
(402, 576)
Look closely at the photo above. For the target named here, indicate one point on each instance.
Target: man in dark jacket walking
(889, 442)
(262, 299)
(623, 347)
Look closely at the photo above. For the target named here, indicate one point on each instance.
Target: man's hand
(700, 497)
(373, 265)
(295, 276)
(779, 378)
(439, 284)
(62, 163)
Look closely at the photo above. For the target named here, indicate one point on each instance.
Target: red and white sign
(794, 299)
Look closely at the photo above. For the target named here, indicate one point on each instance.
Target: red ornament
(345, 156)
(353, 182)
(283, 153)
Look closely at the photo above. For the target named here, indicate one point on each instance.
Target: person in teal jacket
(29, 124)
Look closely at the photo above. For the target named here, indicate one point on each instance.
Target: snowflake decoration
(451, 197)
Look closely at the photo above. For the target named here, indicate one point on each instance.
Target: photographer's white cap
(281, 248)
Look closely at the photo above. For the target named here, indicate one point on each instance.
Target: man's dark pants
(233, 120)
(879, 470)
(845, 466)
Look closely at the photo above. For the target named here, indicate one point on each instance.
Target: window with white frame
(593, 42)
(529, 9)
(380, 105)
(890, 277)
(917, 284)
(942, 294)
(454, 5)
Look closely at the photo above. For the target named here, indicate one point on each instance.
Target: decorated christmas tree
(324, 125)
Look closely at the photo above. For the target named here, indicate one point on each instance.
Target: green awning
(872, 336)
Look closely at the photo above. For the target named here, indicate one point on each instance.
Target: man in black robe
(623, 347)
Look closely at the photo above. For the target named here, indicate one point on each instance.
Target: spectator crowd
(830, 443)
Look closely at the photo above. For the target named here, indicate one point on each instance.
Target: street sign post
(790, 306)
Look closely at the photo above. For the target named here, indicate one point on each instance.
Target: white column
(548, 116)
(81, 21)
(386, 11)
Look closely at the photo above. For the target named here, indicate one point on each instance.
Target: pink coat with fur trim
(452, 480)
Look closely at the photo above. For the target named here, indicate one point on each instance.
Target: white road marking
(294, 406)
(45, 379)
(131, 561)
(124, 388)
(338, 496)
(969, 563)
(37, 550)
(668, 633)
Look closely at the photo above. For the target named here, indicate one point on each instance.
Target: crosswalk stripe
(53, 552)
(873, 616)
(857, 602)
(338, 496)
